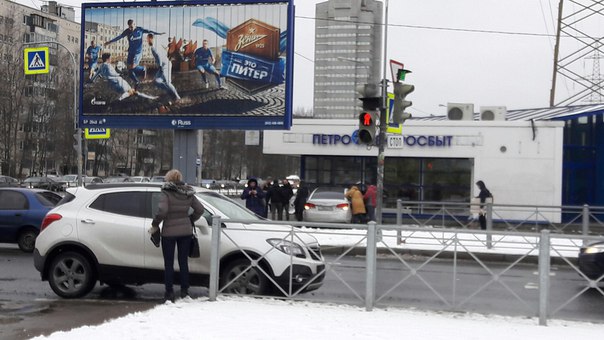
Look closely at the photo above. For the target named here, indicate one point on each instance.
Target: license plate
(325, 208)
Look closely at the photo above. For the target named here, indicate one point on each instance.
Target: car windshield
(227, 206)
(328, 193)
(70, 178)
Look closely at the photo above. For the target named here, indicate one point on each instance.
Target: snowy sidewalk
(253, 318)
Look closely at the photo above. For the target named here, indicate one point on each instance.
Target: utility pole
(381, 140)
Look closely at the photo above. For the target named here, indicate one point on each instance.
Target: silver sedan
(327, 204)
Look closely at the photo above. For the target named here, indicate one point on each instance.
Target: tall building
(348, 52)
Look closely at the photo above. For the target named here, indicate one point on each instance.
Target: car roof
(101, 186)
(26, 189)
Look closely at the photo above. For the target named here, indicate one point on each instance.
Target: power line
(453, 29)
(312, 61)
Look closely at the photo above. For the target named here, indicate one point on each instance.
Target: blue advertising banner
(187, 64)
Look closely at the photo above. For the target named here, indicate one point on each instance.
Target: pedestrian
(484, 194)
(275, 199)
(267, 197)
(300, 200)
(286, 195)
(355, 197)
(177, 231)
(370, 199)
(254, 197)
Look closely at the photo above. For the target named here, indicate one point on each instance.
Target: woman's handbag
(194, 249)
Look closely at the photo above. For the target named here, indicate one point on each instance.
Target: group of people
(363, 200)
(272, 199)
(163, 77)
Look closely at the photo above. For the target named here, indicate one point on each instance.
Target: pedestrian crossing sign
(35, 60)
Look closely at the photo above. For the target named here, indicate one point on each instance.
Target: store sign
(332, 139)
(398, 142)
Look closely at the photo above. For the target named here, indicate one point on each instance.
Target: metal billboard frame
(169, 120)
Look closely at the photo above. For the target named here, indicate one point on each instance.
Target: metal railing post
(215, 258)
(489, 218)
(371, 266)
(399, 219)
(585, 222)
(544, 268)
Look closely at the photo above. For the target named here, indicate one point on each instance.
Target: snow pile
(253, 318)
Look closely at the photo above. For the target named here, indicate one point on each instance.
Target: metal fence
(452, 269)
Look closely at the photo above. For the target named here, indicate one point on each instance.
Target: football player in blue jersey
(135, 48)
(92, 57)
(204, 62)
(117, 83)
(163, 77)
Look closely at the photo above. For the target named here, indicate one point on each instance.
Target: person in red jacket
(370, 199)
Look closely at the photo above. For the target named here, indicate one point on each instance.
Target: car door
(113, 225)
(13, 207)
(153, 255)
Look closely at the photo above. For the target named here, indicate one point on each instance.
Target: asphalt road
(29, 308)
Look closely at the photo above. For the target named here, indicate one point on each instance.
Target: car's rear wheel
(71, 275)
(27, 240)
(247, 280)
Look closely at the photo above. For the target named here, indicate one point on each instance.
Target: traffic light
(367, 127)
(369, 118)
(401, 90)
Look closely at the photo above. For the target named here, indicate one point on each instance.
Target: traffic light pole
(381, 140)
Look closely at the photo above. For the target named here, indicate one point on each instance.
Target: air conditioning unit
(493, 113)
(460, 111)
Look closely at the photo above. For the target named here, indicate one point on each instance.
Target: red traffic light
(366, 119)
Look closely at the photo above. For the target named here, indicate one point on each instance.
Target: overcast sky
(486, 69)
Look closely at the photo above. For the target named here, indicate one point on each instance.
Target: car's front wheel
(71, 275)
(246, 280)
(27, 240)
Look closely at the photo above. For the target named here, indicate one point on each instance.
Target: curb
(486, 257)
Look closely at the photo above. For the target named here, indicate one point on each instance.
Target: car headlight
(287, 247)
(594, 249)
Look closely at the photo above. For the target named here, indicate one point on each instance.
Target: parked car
(21, 213)
(139, 179)
(591, 261)
(70, 180)
(7, 181)
(158, 179)
(116, 179)
(73, 259)
(48, 183)
(327, 204)
(208, 183)
(91, 180)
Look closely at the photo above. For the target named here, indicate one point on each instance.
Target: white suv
(99, 233)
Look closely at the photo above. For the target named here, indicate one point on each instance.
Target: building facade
(348, 40)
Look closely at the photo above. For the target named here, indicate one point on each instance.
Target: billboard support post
(75, 106)
(184, 154)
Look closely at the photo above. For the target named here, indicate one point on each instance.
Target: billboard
(187, 64)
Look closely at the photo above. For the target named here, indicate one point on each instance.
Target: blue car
(21, 213)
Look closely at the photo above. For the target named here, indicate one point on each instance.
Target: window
(123, 203)
(13, 200)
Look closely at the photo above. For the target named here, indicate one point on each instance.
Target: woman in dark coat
(177, 230)
(254, 197)
(483, 195)
(300, 201)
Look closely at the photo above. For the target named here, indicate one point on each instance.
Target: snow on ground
(253, 318)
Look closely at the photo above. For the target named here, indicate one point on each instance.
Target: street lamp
(75, 108)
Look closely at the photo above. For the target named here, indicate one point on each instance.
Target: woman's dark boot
(169, 296)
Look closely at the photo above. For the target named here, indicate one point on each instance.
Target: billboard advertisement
(187, 64)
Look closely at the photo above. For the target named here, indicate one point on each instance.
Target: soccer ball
(120, 67)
